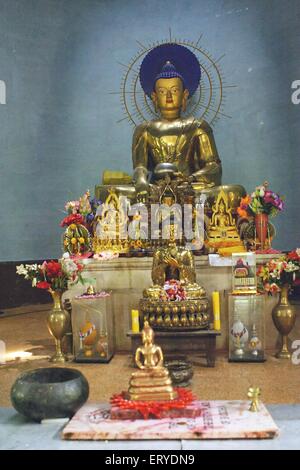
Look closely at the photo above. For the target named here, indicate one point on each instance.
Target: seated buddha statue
(172, 144)
(152, 380)
(222, 229)
(173, 262)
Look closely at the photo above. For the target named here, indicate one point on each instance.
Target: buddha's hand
(171, 261)
(142, 191)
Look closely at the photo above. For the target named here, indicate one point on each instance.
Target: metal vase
(284, 317)
(261, 227)
(58, 322)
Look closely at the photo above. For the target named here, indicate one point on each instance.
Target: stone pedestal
(127, 277)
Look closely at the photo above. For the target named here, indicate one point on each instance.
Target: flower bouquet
(262, 204)
(54, 276)
(277, 276)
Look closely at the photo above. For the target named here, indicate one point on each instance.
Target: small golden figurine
(222, 231)
(254, 394)
(90, 290)
(152, 381)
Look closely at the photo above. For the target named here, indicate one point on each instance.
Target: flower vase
(58, 323)
(261, 227)
(284, 317)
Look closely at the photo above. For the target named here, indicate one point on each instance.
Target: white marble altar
(127, 277)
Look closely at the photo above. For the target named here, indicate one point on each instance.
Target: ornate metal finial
(254, 393)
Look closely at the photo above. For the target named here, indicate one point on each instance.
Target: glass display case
(93, 327)
(246, 328)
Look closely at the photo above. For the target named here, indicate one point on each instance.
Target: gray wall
(59, 59)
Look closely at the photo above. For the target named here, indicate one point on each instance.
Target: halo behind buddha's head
(168, 61)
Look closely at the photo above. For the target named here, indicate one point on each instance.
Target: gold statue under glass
(152, 380)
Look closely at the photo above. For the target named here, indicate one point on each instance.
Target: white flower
(69, 266)
(34, 282)
(21, 270)
(290, 267)
(66, 255)
(31, 267)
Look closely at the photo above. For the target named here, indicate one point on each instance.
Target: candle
(216, 310)
(135, 321)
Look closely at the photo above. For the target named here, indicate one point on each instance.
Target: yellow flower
(73, 226)
(73, 241)
(81, 240)
(66, 242)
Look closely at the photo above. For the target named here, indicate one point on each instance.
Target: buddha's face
(147, 337)
(222, 208)
(170, 97)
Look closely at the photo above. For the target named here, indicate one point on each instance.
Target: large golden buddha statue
(172, 144)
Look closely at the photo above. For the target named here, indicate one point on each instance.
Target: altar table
(199, 342)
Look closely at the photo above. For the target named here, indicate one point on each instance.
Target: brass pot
(284, 317)
(58, 322)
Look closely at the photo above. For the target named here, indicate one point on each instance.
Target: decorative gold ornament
(76, 239)
(152, 381)
(254, 393)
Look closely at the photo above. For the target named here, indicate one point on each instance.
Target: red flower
(53, 269)
(293, 256)
(72, 219)
(43, 285)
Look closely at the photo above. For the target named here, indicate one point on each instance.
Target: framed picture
(244, 273)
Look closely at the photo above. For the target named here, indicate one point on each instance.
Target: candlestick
(216, 310)
(135, 321)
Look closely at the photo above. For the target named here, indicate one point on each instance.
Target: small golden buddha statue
(152, 381)
(222, 229)
(173, 262)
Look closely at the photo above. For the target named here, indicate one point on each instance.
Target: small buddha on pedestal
(222, 231)
(152, 381)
